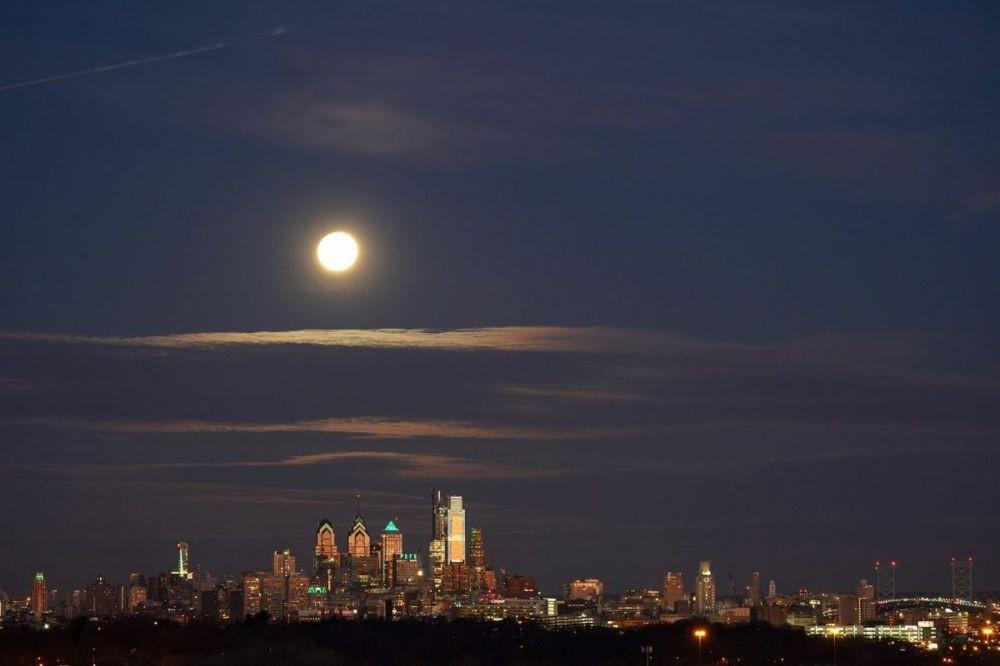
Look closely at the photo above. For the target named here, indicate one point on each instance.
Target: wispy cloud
(368, 427)
(576, 393)
(418, 465)
(414, 466)
(583, 339)
(14, 385)
(646, 382)
(509, 338)
(371, 128)
(198, 491)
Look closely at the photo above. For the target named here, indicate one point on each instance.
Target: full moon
(337, 251)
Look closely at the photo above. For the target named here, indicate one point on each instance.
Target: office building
(99, 599)
(272, 595)
(358, 542)
(519, 586)
(918, 633)
(456, 579)
(391, 545)
(705, 589)
(436, 556)
(325, 551)
(673, 589)
(251, 586)
(490, 581)
(406, 571)
(456, 531)
(39, 595)
(588, 589)
(283, 563)
(296, 594)
(137, 595)
(439, 516)
(477, 557)
(753, 592)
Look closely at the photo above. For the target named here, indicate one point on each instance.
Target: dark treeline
(461, 643)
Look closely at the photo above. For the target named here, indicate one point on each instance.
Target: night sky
(646, 283)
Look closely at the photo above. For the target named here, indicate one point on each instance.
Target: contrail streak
(274, 32)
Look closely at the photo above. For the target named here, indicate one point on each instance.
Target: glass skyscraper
(456, 530)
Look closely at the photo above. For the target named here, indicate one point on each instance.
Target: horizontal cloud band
(579, 339)
(374, 427)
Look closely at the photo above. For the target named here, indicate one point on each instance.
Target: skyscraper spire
(182, 560)
(325, 550)
(438, 515)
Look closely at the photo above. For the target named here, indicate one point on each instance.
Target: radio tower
(885, 580)
(961, 578)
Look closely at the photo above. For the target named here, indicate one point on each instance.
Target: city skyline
(381, 577)
(645, 284)
(734, 583)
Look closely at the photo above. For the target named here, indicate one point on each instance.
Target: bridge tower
(961, 578)
(885, 580)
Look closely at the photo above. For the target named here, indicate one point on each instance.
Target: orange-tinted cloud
(368, 427)
(508, 338)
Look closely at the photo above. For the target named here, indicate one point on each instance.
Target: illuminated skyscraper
(439, 516)
(326, 546)
(136, 596)
(519, 586)
(273, 592)
(853, 609)
(182, 560)
(490, 580)
(39, 595)
(392, 545)
(673, 589)
(438, 549)
(590, 589)
(359, 544)
(477, 557)
(772, 589)
(456, 530)
(435, 557)
(284, 563)
(705, 589)
(251, 585)
(456, 579)
(135, 591)
(406, 569)
(753, 593)
(296, 594)
(99, 599)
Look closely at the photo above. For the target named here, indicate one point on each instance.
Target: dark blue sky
(783, 219)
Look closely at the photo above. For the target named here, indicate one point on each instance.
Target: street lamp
(700, 635)
(833, 634)
(987, 632)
